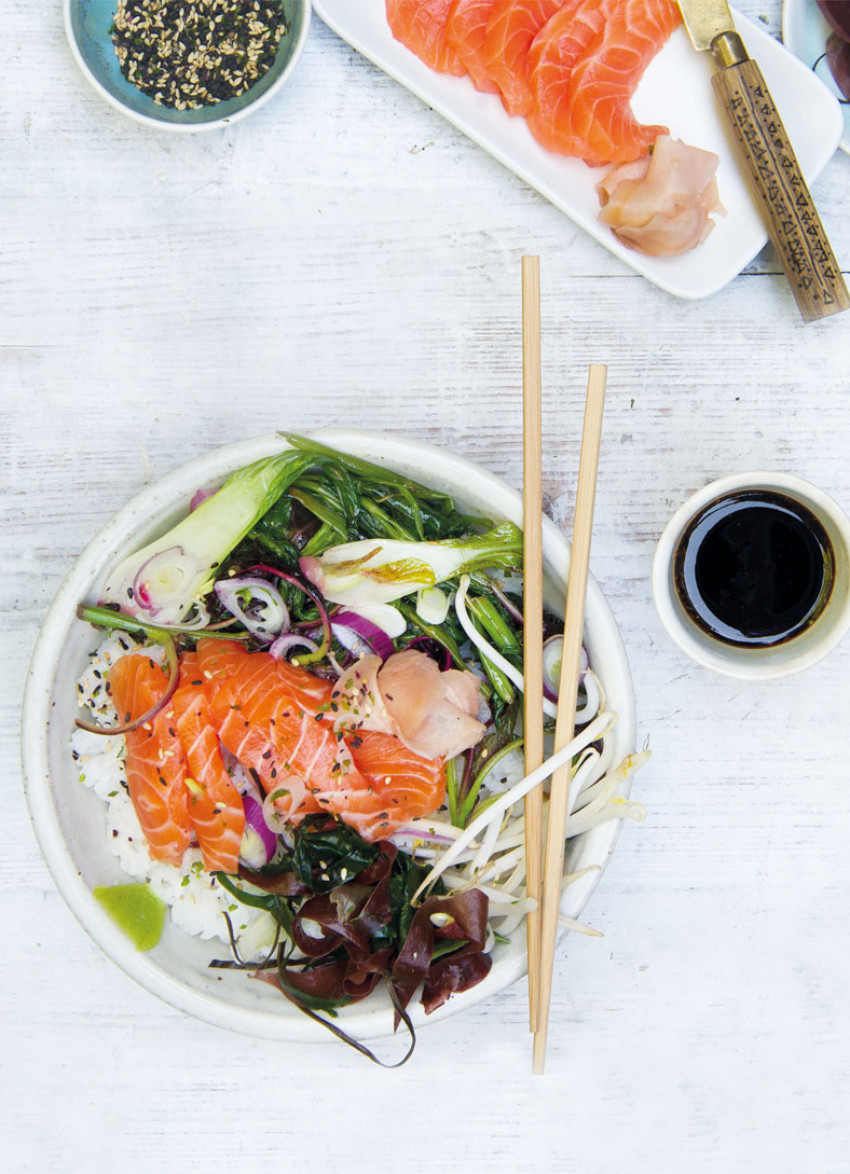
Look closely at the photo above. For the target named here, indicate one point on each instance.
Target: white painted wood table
(346, 257)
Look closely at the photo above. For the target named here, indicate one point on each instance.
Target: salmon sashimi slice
(587, 64)
(272, 717)
(321, 774)
(385, 787)
(216, 812)
(511, 29)
(223, 659)
(602, 86)
(309, 747)
(466, 32)
(409, 785)
(154, 760)
(420, 25)
(567, 37)
(277, 720)
(248, 694)
(217, 659)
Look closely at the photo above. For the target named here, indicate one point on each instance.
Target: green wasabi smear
(136, 909)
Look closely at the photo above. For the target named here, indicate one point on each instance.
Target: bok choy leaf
(167, 579)
(382, 570)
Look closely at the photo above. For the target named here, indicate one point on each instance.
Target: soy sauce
(754, 568)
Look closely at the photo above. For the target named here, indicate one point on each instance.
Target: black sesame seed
(175, 50)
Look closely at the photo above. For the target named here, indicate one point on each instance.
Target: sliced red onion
(359, 635)
(274, 820)
(162, 584)
(508, 604)
(259, 843)
(384, 615)
(316, 597)
(289, 642)
(199, 497)
(256, 603)
(553, 654)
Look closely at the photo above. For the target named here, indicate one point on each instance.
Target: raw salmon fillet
(406, 783)
(216, 812)
(586, 63)
(154, 761)
(234, 701)
(511, 29)
(420, 25)
(277, 720)
(466, 32)
(176, 776)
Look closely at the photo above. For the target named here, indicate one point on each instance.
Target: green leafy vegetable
(381, 571)
(166, 579)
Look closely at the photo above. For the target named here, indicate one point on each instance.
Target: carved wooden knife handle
(783, 197)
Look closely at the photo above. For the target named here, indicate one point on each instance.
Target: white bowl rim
(737, 663)
(183, 127)
(361, 1021)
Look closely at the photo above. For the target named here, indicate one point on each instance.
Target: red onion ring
(259, 843)
(357, 634)
(174, 558)
(229, 591)
(199, 497)
(288, 642)
(327, 635)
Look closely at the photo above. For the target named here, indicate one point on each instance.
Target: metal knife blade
(776, 179)
(705, 20)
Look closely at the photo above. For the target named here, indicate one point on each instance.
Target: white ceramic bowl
(756, 663)
(69, 818)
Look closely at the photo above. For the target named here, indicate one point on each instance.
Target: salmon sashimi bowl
(277, 769)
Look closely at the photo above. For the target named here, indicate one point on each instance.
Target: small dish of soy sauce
(752, 575)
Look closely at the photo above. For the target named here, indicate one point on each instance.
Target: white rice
(197, 902)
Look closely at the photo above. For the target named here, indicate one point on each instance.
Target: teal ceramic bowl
(87, 24)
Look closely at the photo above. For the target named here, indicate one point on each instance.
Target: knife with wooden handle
(777, 182)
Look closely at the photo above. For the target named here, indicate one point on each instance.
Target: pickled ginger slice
(662, 204)
(432, 712)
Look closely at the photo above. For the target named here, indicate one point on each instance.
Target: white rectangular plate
(675, 91)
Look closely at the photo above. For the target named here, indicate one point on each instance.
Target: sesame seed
(162, 45)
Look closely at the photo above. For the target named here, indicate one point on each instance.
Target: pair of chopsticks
(545, 863)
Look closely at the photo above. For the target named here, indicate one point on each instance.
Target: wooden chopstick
(532, 500)
(567, 692)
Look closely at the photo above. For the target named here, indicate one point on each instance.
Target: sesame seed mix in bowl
(187, 54)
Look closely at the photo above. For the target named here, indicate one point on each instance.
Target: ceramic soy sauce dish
(751, 576)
